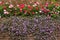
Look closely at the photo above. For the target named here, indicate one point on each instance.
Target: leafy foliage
(33, 9)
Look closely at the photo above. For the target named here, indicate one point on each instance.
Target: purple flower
(36, 20)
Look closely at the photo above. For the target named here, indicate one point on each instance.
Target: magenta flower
(21, 6)
(47, 4)
(45, 10)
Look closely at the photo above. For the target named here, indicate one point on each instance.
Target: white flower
(17, 5)
(4, 10)
(11, 6)
(36, 12)
(6, 3)
(0, 16)
(40, 11)
(34, 5)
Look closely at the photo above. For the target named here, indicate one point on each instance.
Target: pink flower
(37, 3)
(45, 10)
(20, 10)
(47, 4)
(30, 7)
(11, 6)
(6, 12)
(21, 6)
(1, 2)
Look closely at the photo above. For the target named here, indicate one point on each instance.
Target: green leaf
(54, 16)
(50, 7)
(53, 0)
(1, 7)
(58, 8)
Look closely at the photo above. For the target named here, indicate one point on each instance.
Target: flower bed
(28, 28)
(31, 21)
(31, 9)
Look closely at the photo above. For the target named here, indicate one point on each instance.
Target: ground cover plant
(27, 28)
